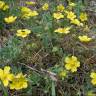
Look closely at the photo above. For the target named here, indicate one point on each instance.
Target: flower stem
(5, 91)
(53, 89)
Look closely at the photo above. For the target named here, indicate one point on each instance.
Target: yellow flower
(58, 15)
(30, 14)
(84, 38)
(76, 22)
(10, 19)
(71, 15)
(72, 63)
(93, 76)
(63, 73)
(30, 3)
(45, 6)
(2, 3)
(5, 7)
(63, 30)
(72, 4)
(6, 76)
(25, 10)
(34, 13)
(83, 17)
(23, 33)
(19, 82)
(60, 8)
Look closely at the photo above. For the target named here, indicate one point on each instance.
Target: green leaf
(11, 50)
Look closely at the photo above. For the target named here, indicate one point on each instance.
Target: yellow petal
(93, 81)
(5, 82)
(67, 59)
(93, 75)
(77, 64)
(1, 71)
(67, 66)
(10, 77)
(74, 58)
(12, 86)
(6, 69)
(74, 69)
(25, 85)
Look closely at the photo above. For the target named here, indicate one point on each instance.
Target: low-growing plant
(47, 48)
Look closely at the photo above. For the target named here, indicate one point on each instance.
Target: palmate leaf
(34, 78)
(10, 51)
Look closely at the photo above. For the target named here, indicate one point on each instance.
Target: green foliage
(10, 51)
(41, 55)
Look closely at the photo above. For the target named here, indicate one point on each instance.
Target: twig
(42, 71)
